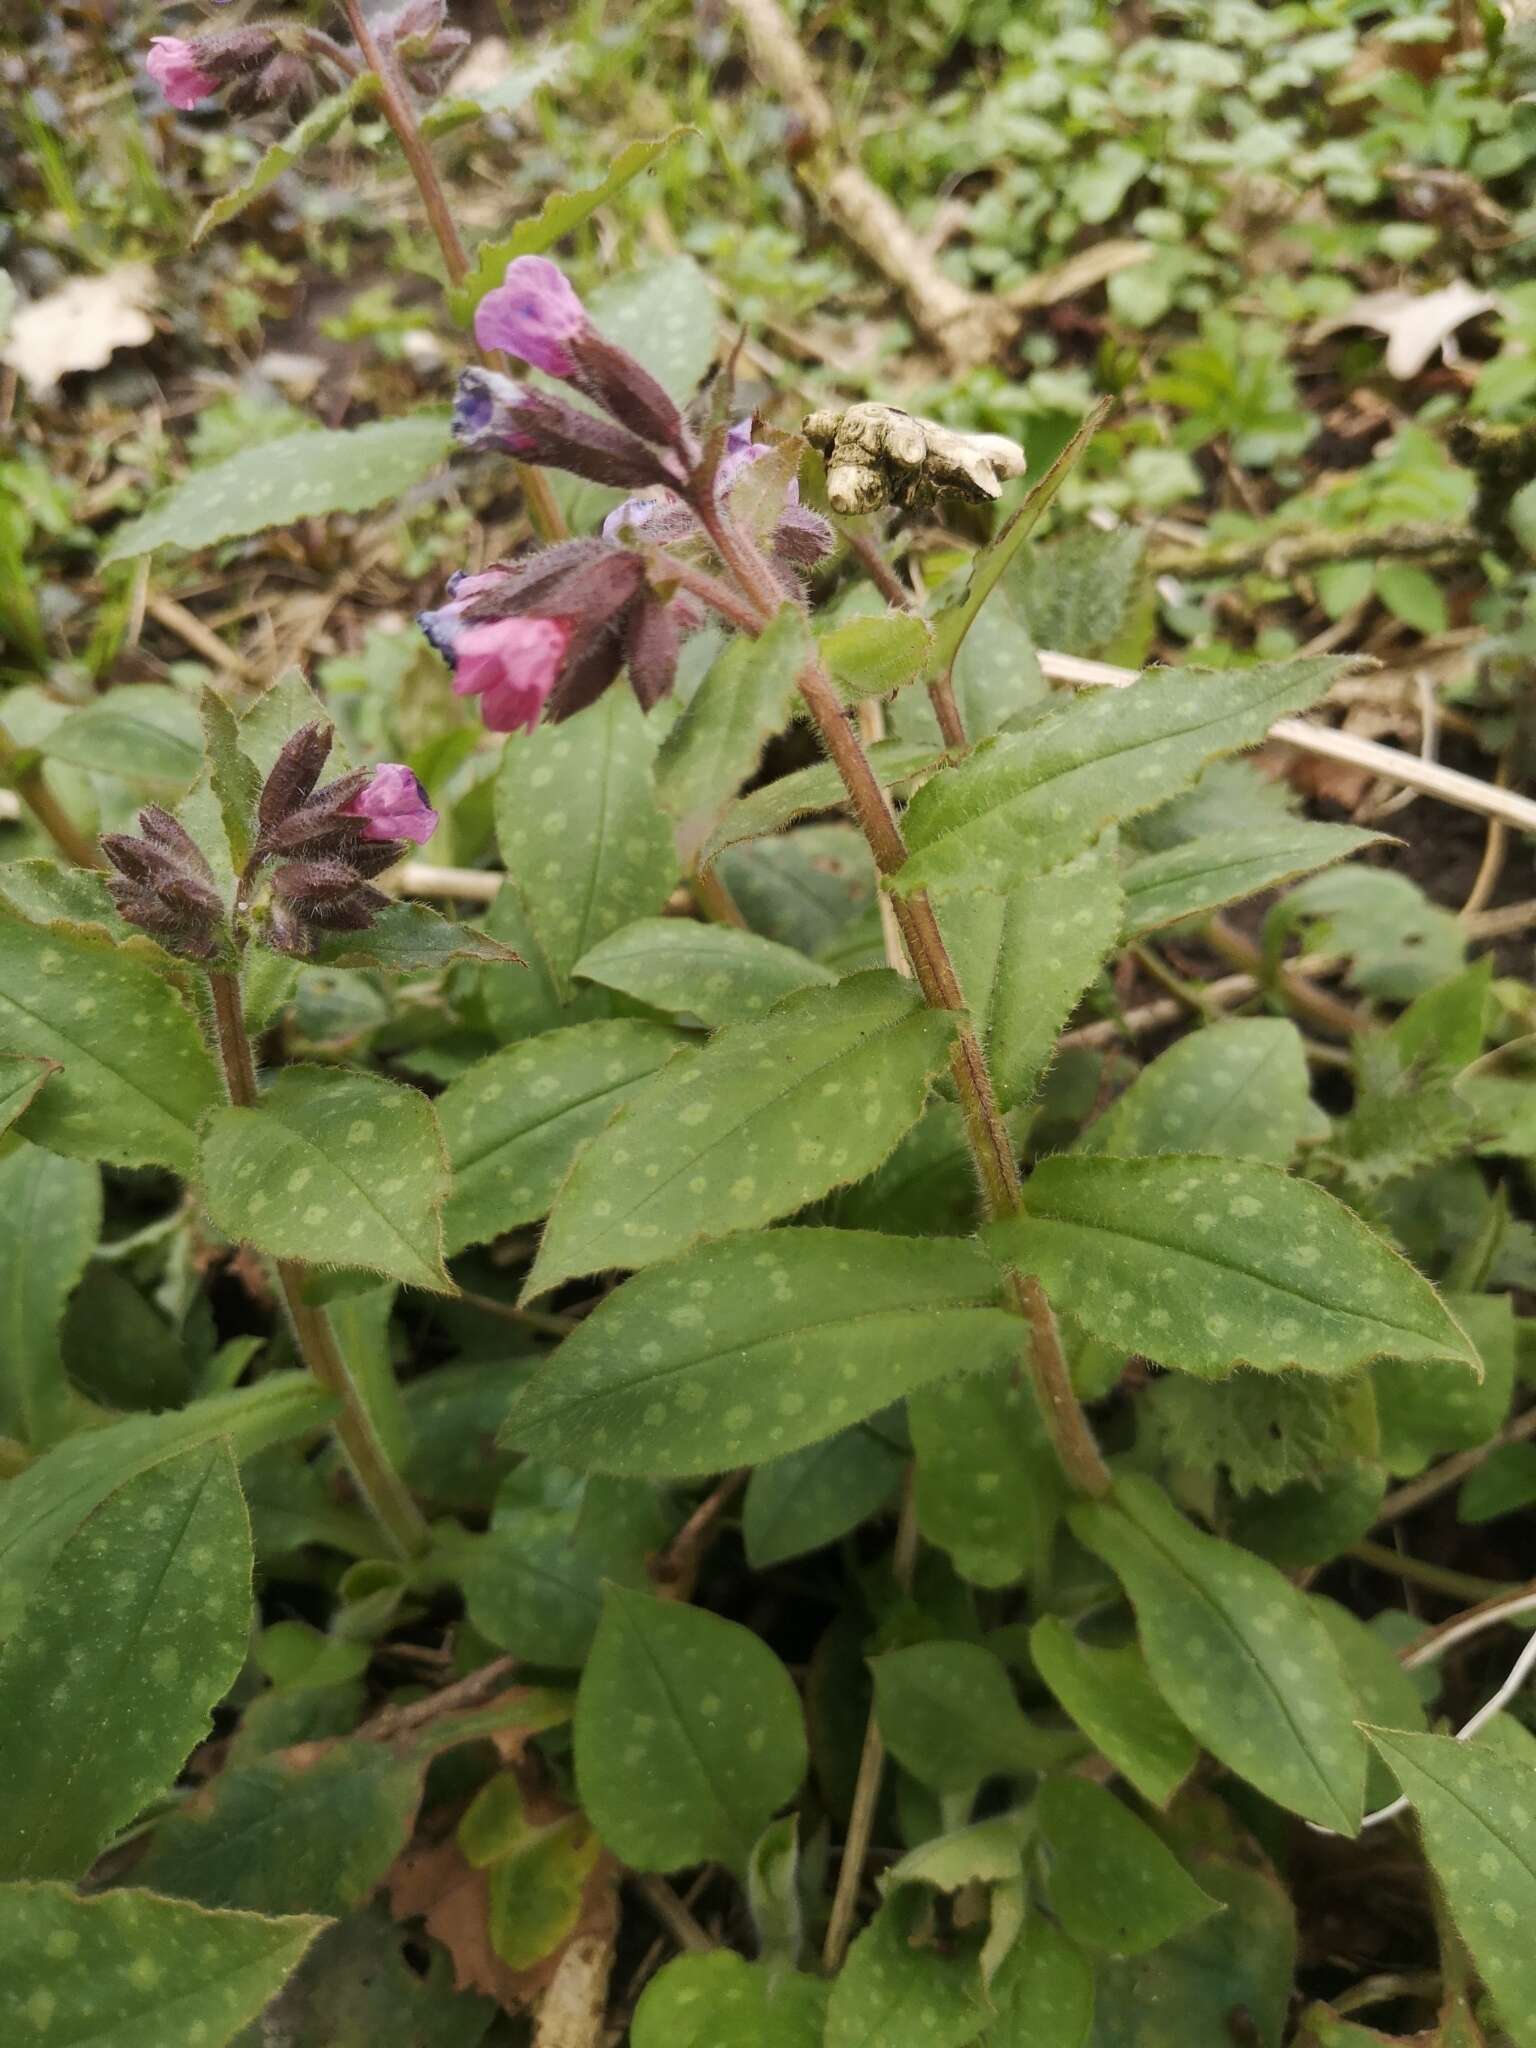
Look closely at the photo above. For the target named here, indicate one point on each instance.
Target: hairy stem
(399, 111)
(377, 1480)
(34, 790)
(987, 1135)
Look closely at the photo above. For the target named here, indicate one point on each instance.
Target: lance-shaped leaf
(1028, 801)
(137, 1632)
(514, 1122)
(317, 126)
(709, 971)
(689, 1734)
(1024, 958)
(1239, 1088)
(1477, 1811)
(50, 1219)
(1206, 1264)
(1183, 881)
(1111, 1697)
(752, 1347)
(769, 1116)
(337, 1169)
(580, 829)
(411, 938)
(42, 1505)
(986, 1483)
(136, 1971)
(1238, 1653)
(147, 733)
(134, 1076)
(819, 788)
(1114, 1885)
(300, 476)
(719, 736)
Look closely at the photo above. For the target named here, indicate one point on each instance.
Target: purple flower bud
(493, 412)
(395, 806)
(511, 665)
(172, 64)
(532, 314)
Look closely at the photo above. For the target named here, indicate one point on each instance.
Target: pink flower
(511, 665)
(395, 805)
(532, 314)
(172, 64)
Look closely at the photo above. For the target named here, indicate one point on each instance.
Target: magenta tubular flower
(395, 806)
(511, 665)
(533, 314)
(172, 64)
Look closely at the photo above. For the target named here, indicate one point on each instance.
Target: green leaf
(768, 810)
(1220, 867)
(985, 1852)
(718, 739)
(1420, 1416)
(42, 1506)
(804, 888)
(1402, 944)
(580, 830)
(1385, 1694)
(560, 215)
(504, 94)
(135, 1076)
(811, 1497)
(773, 1893)
(1236, 1651)
(948, 1714)
(987, 1485)
(1205, 1264)
(1239, 1089)
(871, 656)
(767, 1117)
(1444, 1027)
(300, 476)
(1027, 801)
(1264, 1430)
(722, 2001)
(50, 1219)
(991, 562)
(233, 778)
(755, 1346)
(143, 732)
(1474, 1807)
(1024, 958)
(137, 1632)
(515, 1120)
(1412, 595)
(366, 1982)
(1502, 1485)
(709, 971)
(336, 1169)
(276, 715)
(689, 1734)
(274, 1838)
(318, 125)
(665, 316)
(1087, 593)
(21, 1076)
(1312, 1520)
(141, 1972)
(996, 677)
(1044, 1992)
(411, 938)
(888, 1980)
(1114, 1885)
(1109, 1693)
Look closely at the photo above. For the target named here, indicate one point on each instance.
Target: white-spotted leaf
(50, 1220)
(709, 971)
(1114, 1885)
(1110, 1695)
(722, 2001)
(1221, 867)
(1239, 1088)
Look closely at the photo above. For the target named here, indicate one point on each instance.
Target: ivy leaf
(514, 1121)
(1024, 958)
(1220, 867)
(871, 656)
(718, 739)
(135, 1077)
(757, 1345)
(1205, 1264)
(1474, 1807)
(689, 1734)
(302, 475)
(1238, 1088)
(1028, 801)
(142, 1973)
(948, 1714)
(1110, 1695)
(50, 1219)
(581, 832)
(709, 971)
(411, 938)
(1237, 1652)
(811, 1497)
(143, 732)
(559, 216)
(768, 810)
(722, 2001)
(767, 1117)
(160, 1576)
(335, 1168)
(318, 125)
(986, 1486)
(1113, 1884)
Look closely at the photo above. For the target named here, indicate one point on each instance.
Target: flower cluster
(328, 845)
(189, 71)
(545, 635)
